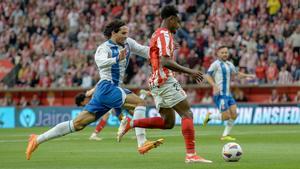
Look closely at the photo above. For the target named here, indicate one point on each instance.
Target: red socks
(188, 132)
(153, 122)
(100, 126)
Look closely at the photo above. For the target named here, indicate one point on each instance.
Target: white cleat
(196, 159)
(123, 128)
(95, 137)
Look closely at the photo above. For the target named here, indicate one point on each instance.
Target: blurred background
(47, 47)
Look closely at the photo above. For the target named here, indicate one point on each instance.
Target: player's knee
(169, 125)
(233, 116)
(78, 125)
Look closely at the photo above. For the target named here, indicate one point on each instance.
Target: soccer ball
(232, 152)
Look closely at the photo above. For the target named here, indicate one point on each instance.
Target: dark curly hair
(113, 26)
(79, 99)
(168, 11)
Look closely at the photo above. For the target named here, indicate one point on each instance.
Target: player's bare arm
(244, 75)
(211, 81)
(172, 65)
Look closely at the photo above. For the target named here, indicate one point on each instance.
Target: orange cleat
(32, 145)
(148, 145)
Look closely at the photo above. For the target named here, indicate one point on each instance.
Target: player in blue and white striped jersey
(112, 58)
(219, 76)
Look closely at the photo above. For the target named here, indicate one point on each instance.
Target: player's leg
(233, 115)
(61, 129)
(139, 112)
(188, 132)
(221, 105)
(101, 124)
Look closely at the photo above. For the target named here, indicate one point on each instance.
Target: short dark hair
(113, 26)
(79, 99)
(168, 11)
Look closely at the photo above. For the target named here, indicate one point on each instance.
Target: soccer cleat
(95, 137)
(196, 159)
(123, 128)
(227, 138)
(148, 145)
(207, 119)
(32, 145)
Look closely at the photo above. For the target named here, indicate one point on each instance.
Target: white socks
(228, 127)
(59, 130)
(216, 116)
(139, 113)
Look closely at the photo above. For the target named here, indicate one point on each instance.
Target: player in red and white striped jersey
(166, 91)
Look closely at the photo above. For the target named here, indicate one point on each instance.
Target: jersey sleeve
(212, 69)
(138, 49)
(163, 44)
(233, 69)
(102, 58)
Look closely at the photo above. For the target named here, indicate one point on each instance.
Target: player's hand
(216, 90)
(122, 54)
(198, 76)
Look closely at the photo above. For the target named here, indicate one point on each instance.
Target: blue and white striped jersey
(107, 55)
(221, 72)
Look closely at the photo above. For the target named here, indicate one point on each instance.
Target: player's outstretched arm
(138, 49)
(172, 65)
(244, 75)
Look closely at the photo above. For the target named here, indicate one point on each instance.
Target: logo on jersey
(27, 118)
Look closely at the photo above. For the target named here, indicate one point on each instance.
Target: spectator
(284, 77)
(86, 81)
(273, 6)
(295, 39)
(35, 101)
(272, 73)
(23, 102)
(274, 97)
(285, 98)
(260, 72)
(297, 97)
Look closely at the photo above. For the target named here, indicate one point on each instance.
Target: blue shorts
(224, 102)
(106, 96)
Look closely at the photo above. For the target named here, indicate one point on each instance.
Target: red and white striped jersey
(161, 45)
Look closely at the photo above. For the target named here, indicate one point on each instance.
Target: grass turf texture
(264, 147)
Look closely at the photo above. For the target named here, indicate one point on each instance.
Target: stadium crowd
(52, 42)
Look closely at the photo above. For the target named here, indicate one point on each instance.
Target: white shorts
(169, 94)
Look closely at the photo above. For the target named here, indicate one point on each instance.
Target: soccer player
(83, 98)
(167, 92)
(112, 58)
(218, 76)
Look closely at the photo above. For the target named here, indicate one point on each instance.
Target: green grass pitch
(265, 147)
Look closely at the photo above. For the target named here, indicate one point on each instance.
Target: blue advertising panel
(7, 117)
(11, 117)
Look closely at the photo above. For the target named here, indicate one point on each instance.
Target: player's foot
(95, 137)
(195, 159)
(227, 138)
(148, 145)
(32, 145)
(207, 119)
(123, 128)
